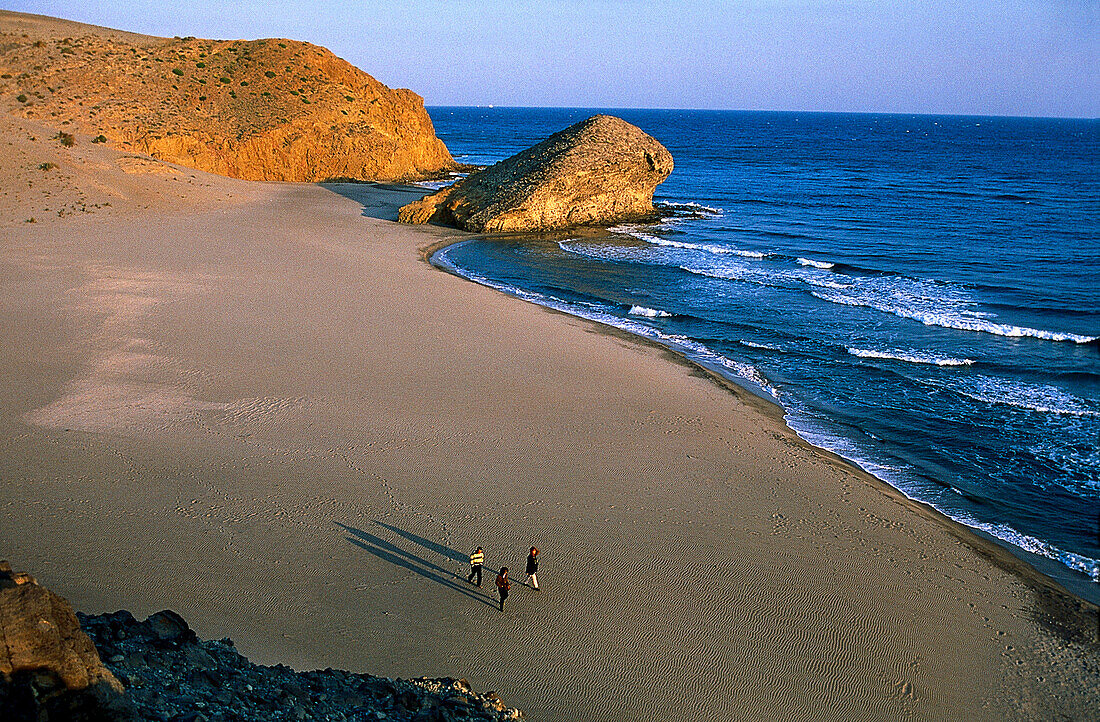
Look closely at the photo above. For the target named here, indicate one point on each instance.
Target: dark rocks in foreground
(600, 171)
(159, 670)
(49, 669)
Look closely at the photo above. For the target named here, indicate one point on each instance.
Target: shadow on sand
(379, 200)
(394, 554)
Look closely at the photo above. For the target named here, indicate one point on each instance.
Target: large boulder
(49, 668)
(601, 170)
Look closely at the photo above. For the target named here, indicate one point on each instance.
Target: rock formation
(49, 668)
(601, 170)
(50, 671)
(173, 675)
(260, 110)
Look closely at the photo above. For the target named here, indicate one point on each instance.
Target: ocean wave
(691, 207)
(911, 356)
(934, 305)
(762, 346)
(824, 265)
(1079, 562)
(636, 232)
(603, 251)
(708, 247)
(1042, 398)
(825, 283)
(648, 312)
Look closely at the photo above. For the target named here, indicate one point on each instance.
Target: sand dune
(257, 405)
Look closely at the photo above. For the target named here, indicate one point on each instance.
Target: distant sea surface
(920, 294)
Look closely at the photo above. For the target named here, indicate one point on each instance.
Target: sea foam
(915, 357)
(933, 305)
(648, 312)
(1042, 398)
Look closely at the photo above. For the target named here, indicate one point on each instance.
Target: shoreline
(253, 403)
(1046, 575)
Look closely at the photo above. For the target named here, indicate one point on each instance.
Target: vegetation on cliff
(271, 109)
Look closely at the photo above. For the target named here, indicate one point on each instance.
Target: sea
(920, 294)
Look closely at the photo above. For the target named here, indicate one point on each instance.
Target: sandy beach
(258, 405)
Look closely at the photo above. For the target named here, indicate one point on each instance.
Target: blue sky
(998, 57)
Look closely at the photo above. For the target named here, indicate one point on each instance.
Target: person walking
(532, 568)
(476, 560)
(503, 585)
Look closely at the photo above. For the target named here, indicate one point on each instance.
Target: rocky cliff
(601, 170)
(50, 671)
(271, 109)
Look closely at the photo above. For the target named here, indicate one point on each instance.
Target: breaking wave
(1043, 398)
(690, 208)
(648, 312)
(933, 305)
(911, 357)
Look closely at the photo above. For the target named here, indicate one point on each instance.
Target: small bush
(232, 94)
(202, 81)
(177, 71)
(294, 92)
(244, 83)
(200, 64)
(305, 100)
(348, 98)
(67, 51)
(5, 76)
(268, 74)
(66, 139)
(47, 166)
(223, 80)
(100, 139)
(266, 94)
(202, 98)
(282, 45)
(21, 98)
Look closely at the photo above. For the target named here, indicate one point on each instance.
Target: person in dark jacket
(476, 560)
(532, 568)
(503, 585)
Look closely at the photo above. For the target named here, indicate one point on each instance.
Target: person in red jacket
(503, 585)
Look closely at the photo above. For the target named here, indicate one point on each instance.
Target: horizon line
(757, 110)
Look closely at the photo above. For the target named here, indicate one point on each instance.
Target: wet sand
(256, 404)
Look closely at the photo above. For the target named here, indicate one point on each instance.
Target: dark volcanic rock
(50, 671)
(172, 675)
(601, 170)
(49, 668)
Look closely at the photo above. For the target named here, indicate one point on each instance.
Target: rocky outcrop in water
(270, 109)
(49, 668)
(600, 171)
